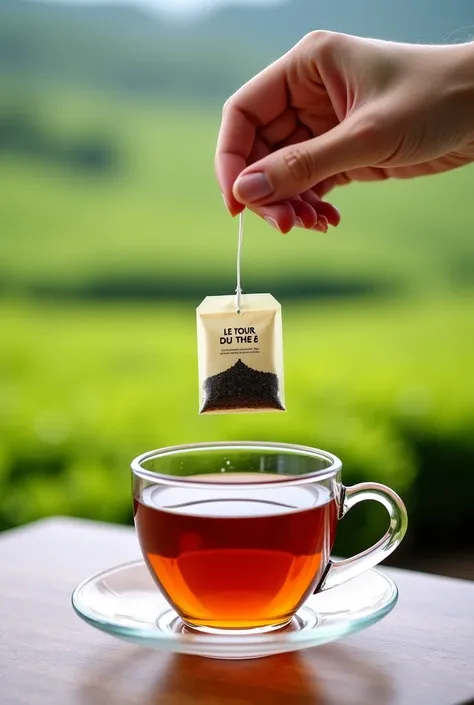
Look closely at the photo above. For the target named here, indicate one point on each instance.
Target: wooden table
(421, 654)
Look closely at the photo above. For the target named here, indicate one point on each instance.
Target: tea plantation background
(112, 230)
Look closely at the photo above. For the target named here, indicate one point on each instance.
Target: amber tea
(236, 559)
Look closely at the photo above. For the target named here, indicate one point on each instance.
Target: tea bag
(240, 351)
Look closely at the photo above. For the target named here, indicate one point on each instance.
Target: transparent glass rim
(193, 481)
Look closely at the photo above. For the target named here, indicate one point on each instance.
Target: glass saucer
(125, 602)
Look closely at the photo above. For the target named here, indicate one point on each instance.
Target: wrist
(456, 71)
(461, 66)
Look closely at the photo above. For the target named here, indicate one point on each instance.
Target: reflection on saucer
(331, 674)
(125, 603)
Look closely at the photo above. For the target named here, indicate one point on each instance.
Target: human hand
(337, 109)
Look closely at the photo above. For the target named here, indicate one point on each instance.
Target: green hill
(120, 47)
(107, 196)
(405, 20)
(145, 218)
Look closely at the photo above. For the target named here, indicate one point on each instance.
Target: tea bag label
(240, 355)
(242, 335)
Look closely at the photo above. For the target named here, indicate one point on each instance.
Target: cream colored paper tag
(240, 355)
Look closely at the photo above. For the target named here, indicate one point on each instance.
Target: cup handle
(338, 572)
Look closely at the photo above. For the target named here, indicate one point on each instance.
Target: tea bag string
(238, 291)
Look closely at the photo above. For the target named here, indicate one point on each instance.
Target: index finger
(256, 104)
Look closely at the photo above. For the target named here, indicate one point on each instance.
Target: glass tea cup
(238, 535)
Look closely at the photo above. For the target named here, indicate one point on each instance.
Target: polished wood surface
(421, 654)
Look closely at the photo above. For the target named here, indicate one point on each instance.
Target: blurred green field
(156, 219)
(85, 389)
(384, 381)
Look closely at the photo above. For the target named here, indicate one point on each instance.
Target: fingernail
(322, 224)
(226, 204)
(331, 206)
(272, 222)
(299, 223)
(253, 187)
(334, 216)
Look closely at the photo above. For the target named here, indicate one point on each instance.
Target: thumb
(355, 142)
